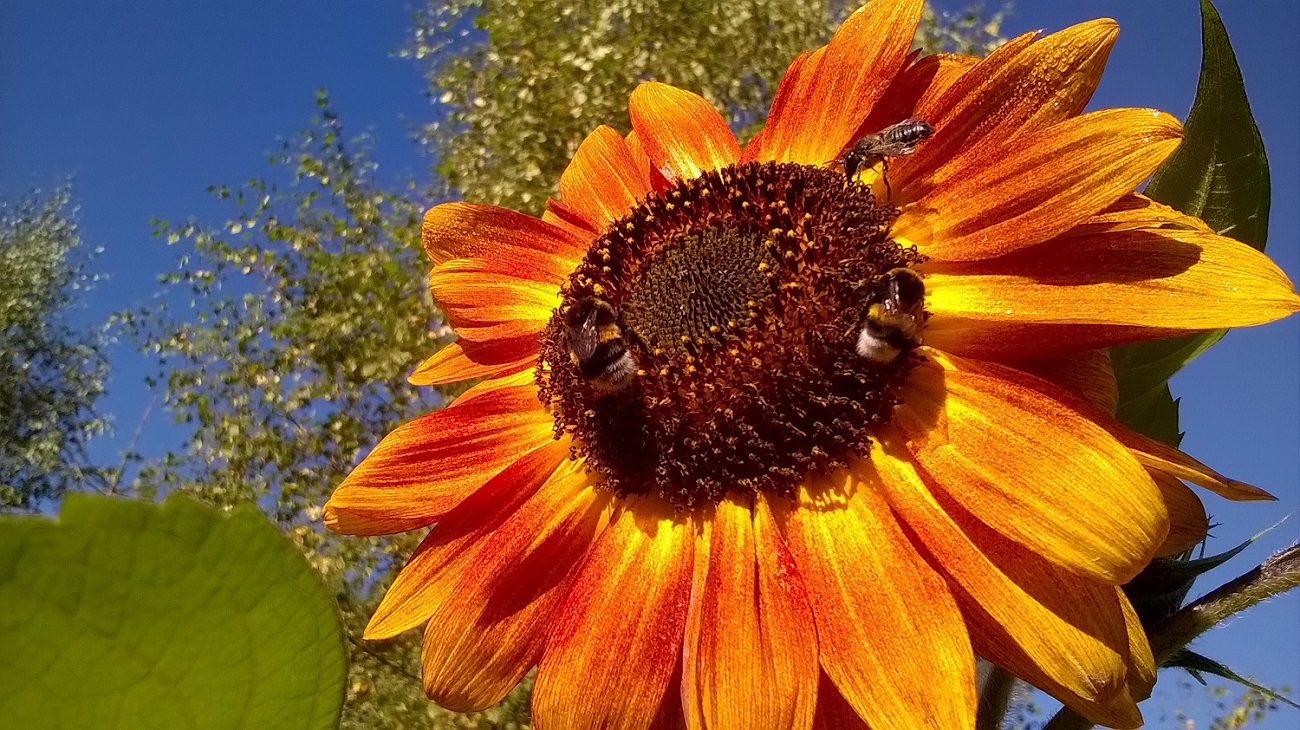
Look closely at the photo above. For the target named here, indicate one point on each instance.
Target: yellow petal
(1032, 468)
(452, 364)
(1085, 291)
(1188, 523)
(1089, 374)
(1060, 631)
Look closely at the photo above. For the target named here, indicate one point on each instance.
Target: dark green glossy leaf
(131, 615)
(1198, 664)
(1220, 174)
(1155, 413)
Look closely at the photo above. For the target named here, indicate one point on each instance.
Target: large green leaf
(1220, 174)
(132, 615)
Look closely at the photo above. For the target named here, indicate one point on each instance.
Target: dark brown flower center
(739, 298)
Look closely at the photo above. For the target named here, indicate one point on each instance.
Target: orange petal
(429, 465)
(1188, 523)
(916, 87)
(491, 626)
(654, 178)
(570, 221)
(796, 80)
(683, 135)
(450, 364)
(1113, 287)
(671, 716)
(433, 570)
(1142, 665)
(833, 711)
(482, 303)
(1134, 211)
(1028, 87)
(618, 638)
(820, 115)
(1032, 469)
(1164, 458)
(602, 183)
(1152, 454)
(1089, 374)
(526, 375)
(1039, 187)
(468, 230)
(750, 660)
(1063, 633)
(863, 575)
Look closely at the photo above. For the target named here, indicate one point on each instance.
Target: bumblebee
(896, 140)
(596, 345)
(891, 324)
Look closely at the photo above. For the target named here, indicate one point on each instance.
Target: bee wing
(584, 338)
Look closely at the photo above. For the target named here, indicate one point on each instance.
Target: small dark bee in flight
(896, 140)
(892, 323)
(596, 345)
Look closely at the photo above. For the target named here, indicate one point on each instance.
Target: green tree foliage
(51, 373)
(307, 310)
(309, 306)
(520, 83)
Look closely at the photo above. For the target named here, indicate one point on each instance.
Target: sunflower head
(739, 296)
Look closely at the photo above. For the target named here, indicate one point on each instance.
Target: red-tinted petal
(617, 641)
(750, 661)
(426, 467)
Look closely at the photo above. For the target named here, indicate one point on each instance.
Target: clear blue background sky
(146, 103)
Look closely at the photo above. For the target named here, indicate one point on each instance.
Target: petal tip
(1250, 492)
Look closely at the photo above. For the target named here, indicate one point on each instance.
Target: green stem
(1066, 719)
(995, 697)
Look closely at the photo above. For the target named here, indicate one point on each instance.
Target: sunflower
(685, 489)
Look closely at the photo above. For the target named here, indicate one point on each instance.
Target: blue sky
(147, 103)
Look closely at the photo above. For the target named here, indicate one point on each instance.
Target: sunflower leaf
(1219, 174)
(1198, 664)
(1153, 414)
(124, 614)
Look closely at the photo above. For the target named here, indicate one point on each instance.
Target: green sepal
(1159, 590)
(1199, 664)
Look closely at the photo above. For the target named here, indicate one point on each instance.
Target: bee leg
(884, 175)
